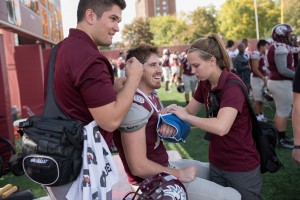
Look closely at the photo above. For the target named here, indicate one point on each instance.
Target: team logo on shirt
(138, 99)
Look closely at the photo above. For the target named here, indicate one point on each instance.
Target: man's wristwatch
(296, 147)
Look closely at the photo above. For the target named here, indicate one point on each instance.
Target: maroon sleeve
(95, 83)
(232, 96)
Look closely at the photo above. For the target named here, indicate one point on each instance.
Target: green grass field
(283, 185)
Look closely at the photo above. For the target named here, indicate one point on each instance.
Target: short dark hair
(98, 6)
(142, 52)
(230, 43)
(245, 41)
(261, 43)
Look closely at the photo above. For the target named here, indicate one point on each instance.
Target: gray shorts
(174, 70)
(166, 73)
(247, 183)
(190, 83)
(257, 85)
(282, 92)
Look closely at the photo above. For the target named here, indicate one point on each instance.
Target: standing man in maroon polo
(84, 84)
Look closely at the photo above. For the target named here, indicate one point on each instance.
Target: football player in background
(282, 71)
(189, 79)
(259, 78)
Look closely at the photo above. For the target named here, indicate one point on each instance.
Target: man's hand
(187, 174)
(119, 84)
(134, 69)
(265, 81)
(296, 155)
(167, 130)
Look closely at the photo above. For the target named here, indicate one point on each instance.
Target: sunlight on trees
(235, 20)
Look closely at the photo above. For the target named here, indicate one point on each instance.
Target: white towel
(98, 173)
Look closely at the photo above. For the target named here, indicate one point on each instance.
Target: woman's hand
(167, 109)
(179, 112)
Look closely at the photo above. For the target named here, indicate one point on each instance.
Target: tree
(203, 21)
(136, 33)
(167, 30)
(291, 14)
(237, 18)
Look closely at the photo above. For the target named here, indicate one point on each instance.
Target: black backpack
(265, 136)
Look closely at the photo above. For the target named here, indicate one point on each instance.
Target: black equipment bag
(265, 136)
(52, 150)
(15, 164)
(52, 144)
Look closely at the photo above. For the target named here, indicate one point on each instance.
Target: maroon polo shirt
(236, 150)
(83, 77)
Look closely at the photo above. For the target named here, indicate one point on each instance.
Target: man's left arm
(281, 54)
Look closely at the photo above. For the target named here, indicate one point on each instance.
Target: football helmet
(266, 93)
(162, 186)
(180, 87)
(281, 33)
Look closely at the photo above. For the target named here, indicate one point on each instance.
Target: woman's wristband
(296, 147)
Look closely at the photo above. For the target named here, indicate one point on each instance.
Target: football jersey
(141, 114)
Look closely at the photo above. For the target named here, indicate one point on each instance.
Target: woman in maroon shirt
(234, 160)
